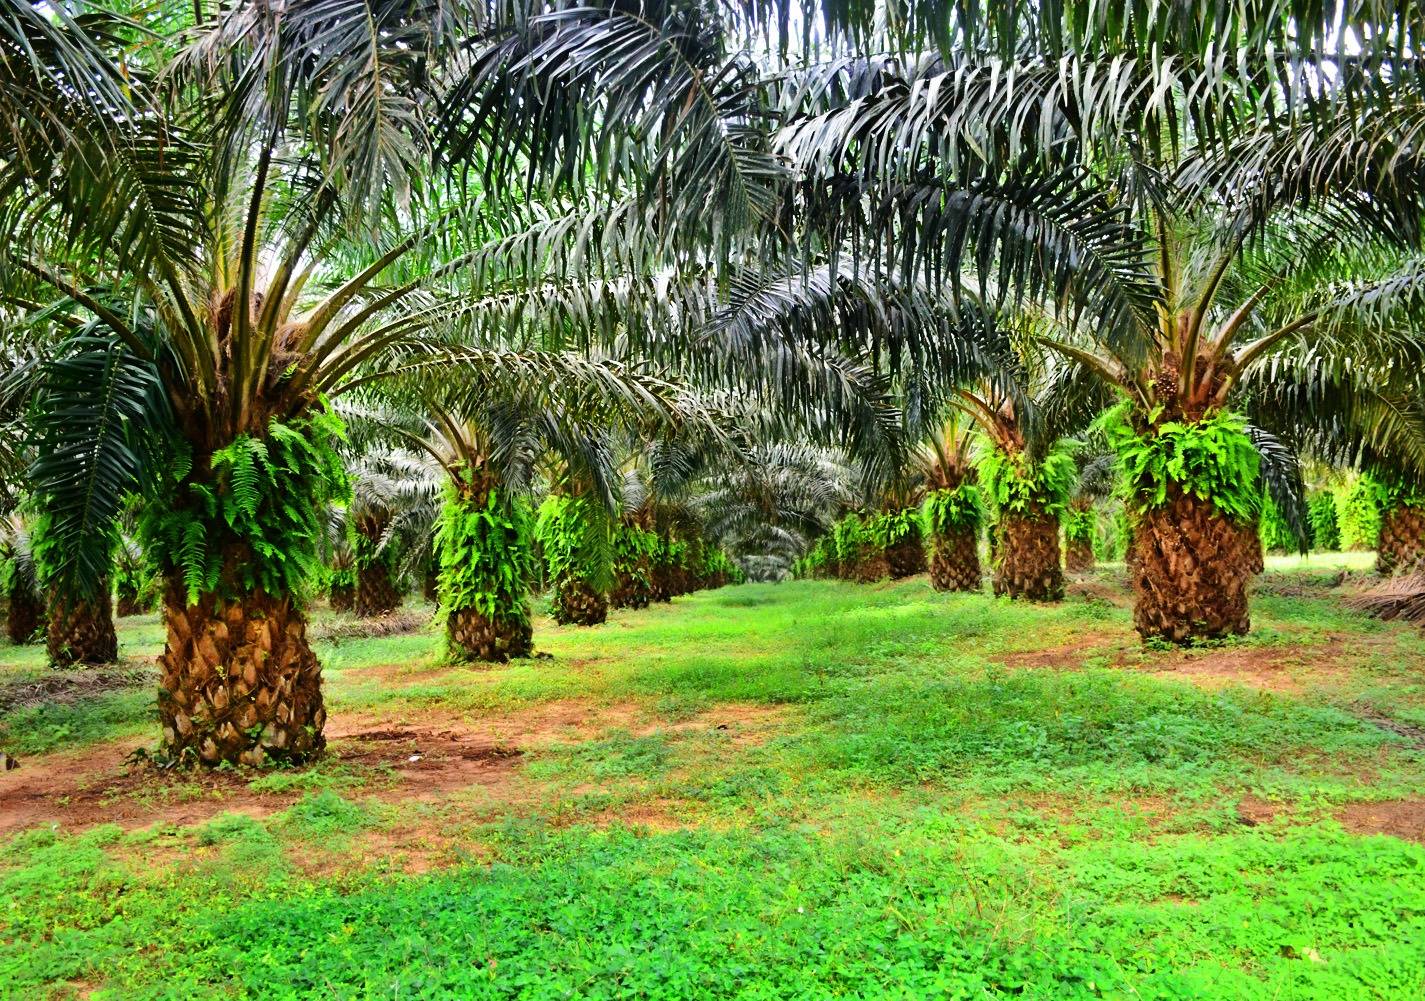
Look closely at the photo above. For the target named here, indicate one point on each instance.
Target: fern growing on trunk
(485, 540)
(238, 534)
(951, 522)
(573, 537)
(1028, 497)
(1195, 494)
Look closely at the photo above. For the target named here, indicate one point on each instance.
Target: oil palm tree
(574, 529)
(24, 608)
(395, 499)
(1097, 477)
(1191, 220)
(952, 510)
(490, 438)
(766, 503)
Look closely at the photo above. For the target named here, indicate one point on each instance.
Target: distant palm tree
(1197, 224)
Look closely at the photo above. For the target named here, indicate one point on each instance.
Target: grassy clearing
(802, 790)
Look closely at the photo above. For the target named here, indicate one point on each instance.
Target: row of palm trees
(774, 227)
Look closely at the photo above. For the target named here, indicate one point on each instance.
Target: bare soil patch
(1401, 818)
(1266, 668)
(410, 848)
(404, 758)
(658, 815)
(1089, 588)
(103, 786)
(1409, 731)
(1071, 656)
(1254, 812)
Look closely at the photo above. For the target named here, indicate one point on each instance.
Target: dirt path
(395, 757)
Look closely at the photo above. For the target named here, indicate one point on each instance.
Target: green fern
(1212, 459)
(263, 497)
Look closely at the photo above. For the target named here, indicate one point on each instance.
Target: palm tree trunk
(1078, 555)
(376, 593)
(871, 566)
(1401, 547)
(472, 636)
(576, 602)
(662, 583)
(1191, 566)
(128, 602)
(955, 561)
(81, 631)
(633, 588)
(24, 616)
(1027, 557)
(342, 597)
(905, 558)
(238, 680)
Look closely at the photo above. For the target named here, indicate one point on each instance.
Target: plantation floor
(804, 790)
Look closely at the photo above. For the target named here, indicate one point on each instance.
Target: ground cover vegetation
(390, 394)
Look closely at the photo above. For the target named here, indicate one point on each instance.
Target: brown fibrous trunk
(472, 636)
(663, 583)
(342, 597)
(871, 567)
(1191, 566)
(238, 681)
(955, 561)
(1078, 555)
(128, 603)
(24, 617)
(1401, 547)
(81, 630)
(905, 558)
(376, 593)
(632, 590)
(576, 603)
(1027, 557)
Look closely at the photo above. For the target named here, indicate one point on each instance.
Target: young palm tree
(395, 500)
(953, 509)
(24, 611)
(1097, 476)
(136, 582)
(79, 625)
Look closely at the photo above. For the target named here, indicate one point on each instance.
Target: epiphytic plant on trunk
(952, 512)
(573, 534)
(1029, 496)
(485, 540)
(1195, 491)
(1096, 477)
(1400, 545)
(634, 549)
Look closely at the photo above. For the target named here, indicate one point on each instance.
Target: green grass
(918, 816)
